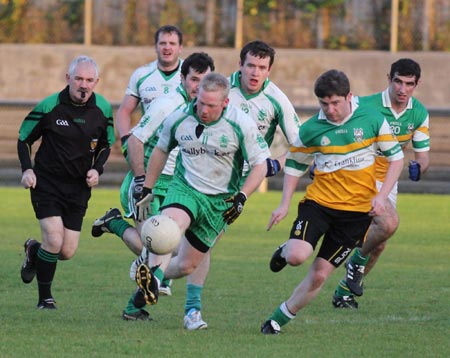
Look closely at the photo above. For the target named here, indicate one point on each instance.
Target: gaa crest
(94, 143)
(358, 134)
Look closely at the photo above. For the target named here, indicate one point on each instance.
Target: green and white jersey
(345, 156)
(147, 130)
(148, 82)
(269, 108)
(212, 155)
(411, 125)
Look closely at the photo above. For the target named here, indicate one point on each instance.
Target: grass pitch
(405, 310)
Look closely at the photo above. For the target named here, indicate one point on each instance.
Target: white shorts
(392, 195)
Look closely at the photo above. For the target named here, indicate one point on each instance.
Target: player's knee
(186, 268)
(386, 227)
(65, 255)
(393, 225)
(295, 259)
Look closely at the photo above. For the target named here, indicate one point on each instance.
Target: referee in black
(76, 131)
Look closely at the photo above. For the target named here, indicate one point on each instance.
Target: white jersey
(147, 130)
(269, 108)
(148, 82)
(212, 162)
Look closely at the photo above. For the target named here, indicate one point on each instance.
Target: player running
(409, 121)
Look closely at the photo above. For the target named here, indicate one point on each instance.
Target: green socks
(118, 226)
(358, 258)
(131, 308)
(282, 315)
(193, 297)
(342, 289)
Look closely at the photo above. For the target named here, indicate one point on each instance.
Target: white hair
(82, 59)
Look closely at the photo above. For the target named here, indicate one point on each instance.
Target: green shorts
(160, 191)
(205, 210)
(126, 194)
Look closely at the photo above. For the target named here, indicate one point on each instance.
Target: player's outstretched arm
(290, 183)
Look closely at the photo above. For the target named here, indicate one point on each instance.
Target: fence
(436, 181)
(403, 25)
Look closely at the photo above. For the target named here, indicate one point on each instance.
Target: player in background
(343, 139)
(138, 149)
(255, 94)
(149, 81)
(76, 131)
(213, 137)
(409, 122)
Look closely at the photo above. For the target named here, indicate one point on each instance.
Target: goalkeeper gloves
(414, 170)
(237, 205)
(142, 209)
(273, 167)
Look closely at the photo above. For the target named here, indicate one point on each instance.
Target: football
(160, 234)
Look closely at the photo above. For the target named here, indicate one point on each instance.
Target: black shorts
(342, 231)
(65, 198)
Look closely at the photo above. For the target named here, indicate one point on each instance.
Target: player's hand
(277, 215)
(142, 209)
(414, 170)
(311, 170)
(28, 179)
(92, 178)
(273, 167)
(378, 205)
(237, 205)
(138, 186)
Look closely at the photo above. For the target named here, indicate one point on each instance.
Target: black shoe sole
(144, 280)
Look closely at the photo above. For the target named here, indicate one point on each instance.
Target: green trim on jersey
(106, 109)
(413, 118)
(269, 108)
(33, 118)
(239, 157)
(143, 78)
(279, 115)
(235, 81)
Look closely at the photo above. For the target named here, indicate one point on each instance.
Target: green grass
(405, 311)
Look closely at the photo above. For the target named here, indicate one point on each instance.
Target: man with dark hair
(76, 127)
(409, 122)
(161, 76)
(254, 93)
(343, 139)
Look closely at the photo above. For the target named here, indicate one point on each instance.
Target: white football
(160, 234)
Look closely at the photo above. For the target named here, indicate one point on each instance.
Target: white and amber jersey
(411, 125)
(148, 82)
(269, 108)
(345, 156)
(212, 155)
